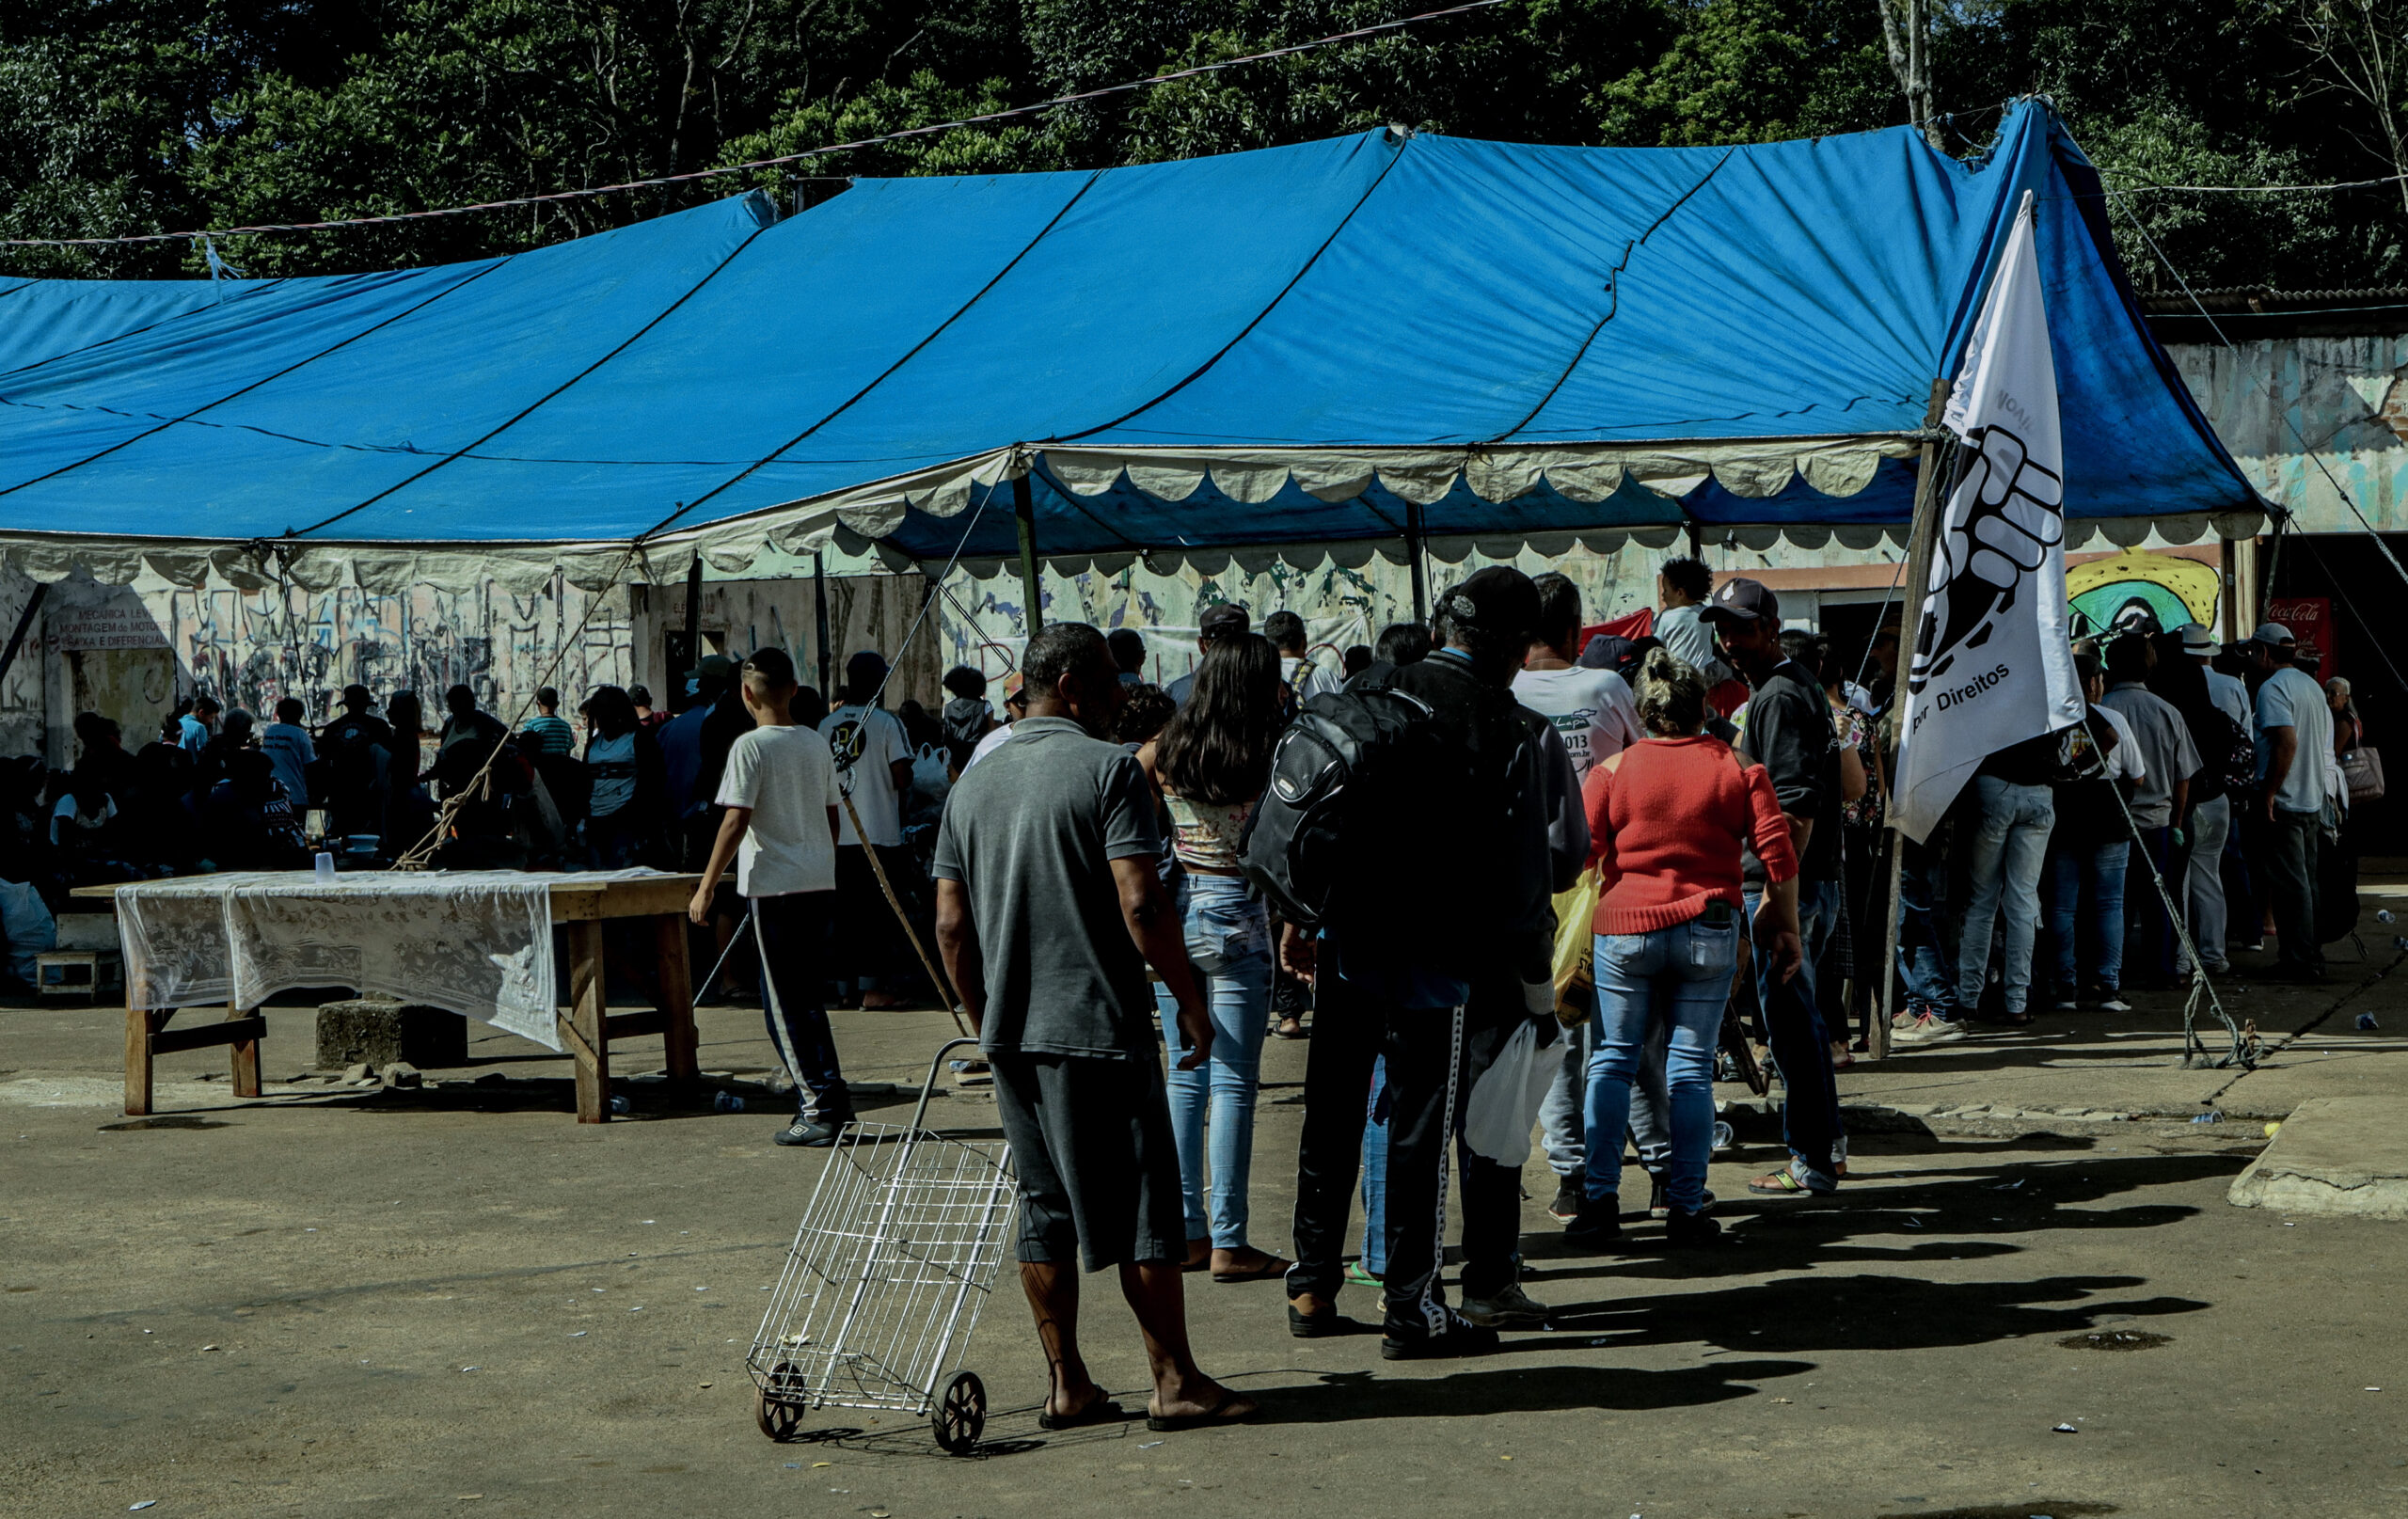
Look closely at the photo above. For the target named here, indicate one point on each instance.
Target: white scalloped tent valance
(1587, 473)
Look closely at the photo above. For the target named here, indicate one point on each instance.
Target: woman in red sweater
(1668, 817)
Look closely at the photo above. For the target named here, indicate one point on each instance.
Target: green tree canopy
(120, 116)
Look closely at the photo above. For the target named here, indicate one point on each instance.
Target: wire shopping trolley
(897, 1254)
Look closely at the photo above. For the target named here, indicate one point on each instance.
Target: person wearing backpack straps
(1469, 793)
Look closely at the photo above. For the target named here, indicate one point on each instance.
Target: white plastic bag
(26, 927)
(1504, 1103)
(928, 776)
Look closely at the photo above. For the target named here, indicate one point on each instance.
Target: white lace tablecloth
(478, 943)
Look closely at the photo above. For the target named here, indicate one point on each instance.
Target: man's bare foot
(1199, 1255)
(1200, 1400)
(879, 1002)
(1246, 1264)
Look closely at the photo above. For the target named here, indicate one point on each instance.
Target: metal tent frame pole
(1032, 588)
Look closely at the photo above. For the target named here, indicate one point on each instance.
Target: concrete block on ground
(2332, 1156)
(381, 1034)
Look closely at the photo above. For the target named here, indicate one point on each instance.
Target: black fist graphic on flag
(2015, 516)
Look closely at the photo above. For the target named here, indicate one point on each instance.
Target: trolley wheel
(960, 1415)
(777, 1418)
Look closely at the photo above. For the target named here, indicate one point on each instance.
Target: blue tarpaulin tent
(1342, 341)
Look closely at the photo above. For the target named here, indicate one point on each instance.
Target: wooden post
(1416, 567)
(675, 975)
(589, 1044)
(1032, 589)
(247, 1056)
(1923, 529)
(138, 1029)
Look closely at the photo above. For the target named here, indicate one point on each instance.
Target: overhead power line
(985, 120)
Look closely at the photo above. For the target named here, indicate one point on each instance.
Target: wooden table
(583, 907)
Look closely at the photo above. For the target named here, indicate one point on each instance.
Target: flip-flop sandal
(1217, 1413)
(1272, 1266)
(1360, 1277)
(1103, 1410)
(1783, 1183)
(1282, 1032)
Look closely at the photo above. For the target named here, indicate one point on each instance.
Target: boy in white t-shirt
(780, 792)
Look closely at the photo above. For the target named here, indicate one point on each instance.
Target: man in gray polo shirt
(1048, 909)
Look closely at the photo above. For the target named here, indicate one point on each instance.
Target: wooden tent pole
(1922, 531)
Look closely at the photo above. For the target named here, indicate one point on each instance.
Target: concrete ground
(458, 1300)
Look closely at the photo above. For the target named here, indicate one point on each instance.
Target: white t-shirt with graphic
(1592, 711)
(867, 741)
(787, 776)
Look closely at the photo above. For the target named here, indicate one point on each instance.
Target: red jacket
(1667, 821)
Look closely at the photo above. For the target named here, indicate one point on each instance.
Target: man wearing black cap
(1226, 620)
(1486, 826)
(1786, 727)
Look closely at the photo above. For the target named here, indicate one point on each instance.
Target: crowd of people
(1700, 810)
(1707, 802)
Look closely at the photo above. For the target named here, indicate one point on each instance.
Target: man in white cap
(2230, 696)
(2210, 814)
(2294, 733)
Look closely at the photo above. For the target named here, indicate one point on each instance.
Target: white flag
(1991, 666)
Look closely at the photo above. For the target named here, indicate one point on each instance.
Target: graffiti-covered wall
(252, 649)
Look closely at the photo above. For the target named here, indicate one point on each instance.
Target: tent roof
(1293, 345)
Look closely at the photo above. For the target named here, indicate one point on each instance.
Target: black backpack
(1355, 809)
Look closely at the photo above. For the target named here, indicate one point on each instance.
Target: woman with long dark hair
(1211, 763)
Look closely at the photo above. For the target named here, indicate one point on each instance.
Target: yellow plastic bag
(1575, 952)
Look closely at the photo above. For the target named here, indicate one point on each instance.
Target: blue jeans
(1561, 1125)
(2086, 912)
(2008, 841)
(1229, 942)
(1679, 976)
(1922, 956)
(1375, 1173)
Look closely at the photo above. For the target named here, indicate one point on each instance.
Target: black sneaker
(1566, 1206)
(1598, 1224)
(811, 1133)
(1660, 1203)
(1322, 1326)
(1414, 1342)
(1683, 1228)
